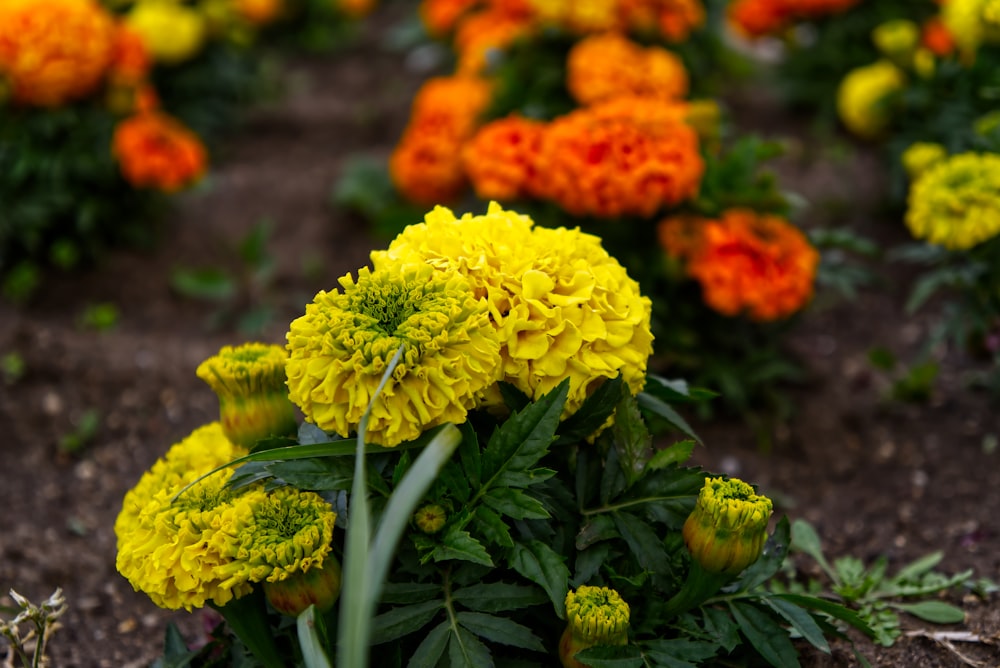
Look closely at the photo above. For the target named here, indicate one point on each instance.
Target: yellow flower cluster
(920, 156)
(172, 32)
(341, 347)
(956, 202)
(561, 306)
(862, 97)
(210, 544)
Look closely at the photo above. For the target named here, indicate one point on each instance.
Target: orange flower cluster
(935, 37)
(609, 65)
(426, 165)
(751, 264)
(500, 159)
(756, 18)
(675, 19)
(156, 151)
(54, 51)
(259, 12)
(483, 32)
(630, 156)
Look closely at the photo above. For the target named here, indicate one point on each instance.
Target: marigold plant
(157, 151)
(54, 51)
(747, 263)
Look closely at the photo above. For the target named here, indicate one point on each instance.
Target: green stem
(247, 617)
(698, 588)
(629, 504)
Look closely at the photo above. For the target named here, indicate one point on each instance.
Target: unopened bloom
(956, 202)
(609, 65)
(430, 518)
(54, 51)
(341, 347)
(862, 99)
(253, 399)
(319, 586)
(595, 616)
(156, 151)
(562, 307)
(173, 33)
(727, 529)
(897, 40)
(920, 156)
(170, 549)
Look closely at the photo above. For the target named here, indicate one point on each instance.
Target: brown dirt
(874, 477)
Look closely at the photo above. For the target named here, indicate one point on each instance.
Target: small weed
(87, 427)
(99, 317)
(12, 367)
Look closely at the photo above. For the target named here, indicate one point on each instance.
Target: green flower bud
(253, 400)
(316, 586)
(431, 518)
(728, 527)
(596, 616)
(897, 40)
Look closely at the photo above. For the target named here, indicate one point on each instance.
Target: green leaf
(492, 527)
(465, 651)
(459, 544)
(771, 559)
(830, 608)
(765, 634)
(544, 566)
(316, 474)
(665, 411)
(409, 592)
(589, 562)
(632, 439)
(498, 597)
(675, 454)
(247, 617)
(937, 612)
(604, 656)
(430, 651)
(593, 412)
(470, 454)
(175, 651)
(402, 621)
(805, 539)
(676, 390)
(720, 626)
(914, 570)
(801, 621)
(206, 284)
(515, 503)
(500, 630)
(679, 652)
(313, 654)
(596, 529)
(645, 544)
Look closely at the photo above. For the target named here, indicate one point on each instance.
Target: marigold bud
(316, 586)
(250, 383)
(431, 518)
(897, 40)
(728, 527)
(920, 156)
(596, 616)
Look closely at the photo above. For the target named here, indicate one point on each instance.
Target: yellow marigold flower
(956, 203)
(170, 549)
(595, 616)
(897, 40)
(173, 33)
(609, 65)
(275, 535)
(54, 51)
(727, 529)
(861, 99)
(253, 399)
(430, 518)
(562, 307)
(964, 21)
(924, 63)
(921, 156)
(341, 347)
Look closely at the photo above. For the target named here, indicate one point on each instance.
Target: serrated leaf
(676, 390)
(592, 413)
(498, 597)
(500, 630)
(466, 651)
(319, 474)
(771, 559)
(404, 620)
(937, 612)
(801, 621)
(679, 652)
(631, 439)
(544, 566)
(589, 562)
(430, 651)
(665, 411)
(470, 454)
(721, 627)
(613, 480)
(409, 592)
(645, 544)
(492, 527)
(596, 529)
(604, 656)
(830, 608)
(460, 545)
(675, 454)
(455, 480)
(515, 503)
(765, 634)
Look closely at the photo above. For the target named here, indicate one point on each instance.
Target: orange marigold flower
(426, 165)
(157, 151)
(259, 12)
(755, 18)
(441, 16)
(355, 9)
(630, 156)
(679, 18)
(483, 32)
(54, 51)
(936, 37)
(130, 63)
(609, 65)
(500, 158)
(747, 263)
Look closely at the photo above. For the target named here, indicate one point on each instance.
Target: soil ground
(874, 477)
